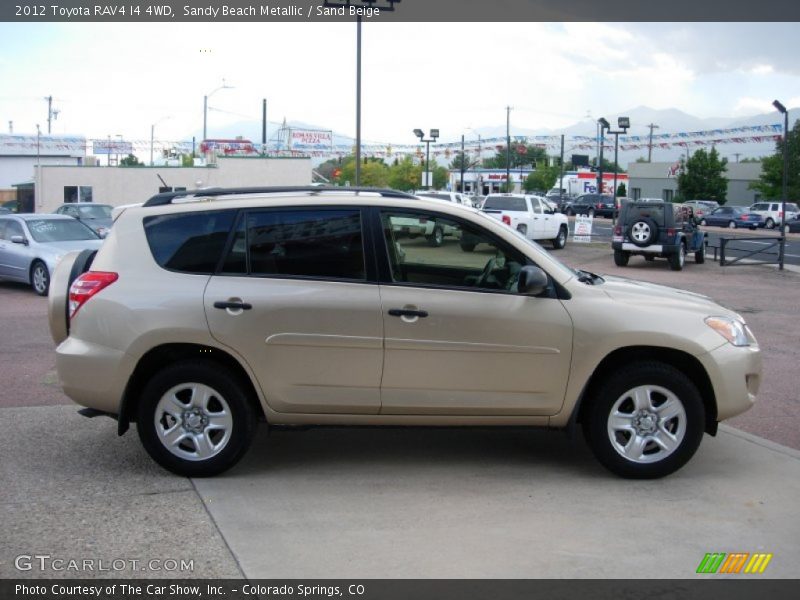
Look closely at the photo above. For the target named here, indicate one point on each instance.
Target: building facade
(660, 180)
(55, 185)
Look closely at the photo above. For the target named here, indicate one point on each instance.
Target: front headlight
(731, 329)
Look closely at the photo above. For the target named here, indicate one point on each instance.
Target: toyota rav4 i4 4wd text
(206, 312)
(657, 229)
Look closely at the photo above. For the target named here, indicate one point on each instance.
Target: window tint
(509, 203)
(189, 242)
(468, 257)
(306, 243)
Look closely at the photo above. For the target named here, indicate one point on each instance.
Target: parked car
(32, 244)
(592, 205)
(657, 230)
(792, 226)
(4, 211)
(96, 216)
(733, 217)
(533, 216)
(702, 207)
(772, 212)
(206, 311)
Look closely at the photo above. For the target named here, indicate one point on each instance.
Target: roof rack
(167, 197)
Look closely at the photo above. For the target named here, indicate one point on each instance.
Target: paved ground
(403, 503)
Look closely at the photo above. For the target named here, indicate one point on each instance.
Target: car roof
(41, 216)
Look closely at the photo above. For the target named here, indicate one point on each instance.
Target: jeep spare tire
(642, 232)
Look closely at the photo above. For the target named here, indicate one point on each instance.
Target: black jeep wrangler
(657, 229)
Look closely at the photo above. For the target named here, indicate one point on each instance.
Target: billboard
(111, 147)
(309, 140)
(43, 145)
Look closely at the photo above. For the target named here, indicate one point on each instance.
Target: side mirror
(19, 239)
(532, 281)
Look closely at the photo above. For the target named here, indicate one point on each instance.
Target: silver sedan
(32, 244)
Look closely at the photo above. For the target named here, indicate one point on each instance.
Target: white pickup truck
(533, 216)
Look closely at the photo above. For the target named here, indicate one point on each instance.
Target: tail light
(599, 205)
(618, 230)
(507, 220)
(780, 214)
(744, 217)
(86, 286)
(670, 232)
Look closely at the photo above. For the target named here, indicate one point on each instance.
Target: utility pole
(463, 160)
(650, 143)
(264, 126)
(508, 148)
(51, 113)
(737, 155)
(561, 173)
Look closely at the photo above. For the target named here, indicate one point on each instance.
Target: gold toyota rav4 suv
(207, 311)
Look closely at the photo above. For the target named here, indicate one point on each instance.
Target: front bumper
(735, 374)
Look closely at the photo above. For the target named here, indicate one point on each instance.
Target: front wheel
(561, 239)
(40, 278)
(646, 421)
(195, 419)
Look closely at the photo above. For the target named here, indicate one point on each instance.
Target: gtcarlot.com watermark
(48, 562)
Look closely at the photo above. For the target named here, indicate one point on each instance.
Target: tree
(608, 166)
(405, 175)
(622, 191)
(439, 176)
(374, 172)
(520, 156)
(770, 182)
(542, 179)
(130, 161)
(703, 176)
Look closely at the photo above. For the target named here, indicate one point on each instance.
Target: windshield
(98, 211)
(60, 230)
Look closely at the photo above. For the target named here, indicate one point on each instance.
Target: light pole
(603, 126)
(421, 135)
(785, 182)
(224, 86)
(463, 160)
(508, 148)
(152, 136)
(623, 123)
(370, 4)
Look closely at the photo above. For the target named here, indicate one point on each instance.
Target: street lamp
(224, 86)
(603, 126)
(782, 109)
(152, 136)
(421, 135)
(370, 4)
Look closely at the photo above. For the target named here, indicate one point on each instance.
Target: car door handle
(403, 312)
(233, 305)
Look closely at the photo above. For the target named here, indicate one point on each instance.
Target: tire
(40, 278)
(703, 222)
(591, 213)
(570, 212)
(523, 229)
(645, 421)
(561, 239)
(732, 225)
(700, 255)
(642, 232)
(466, 247)
(769, 224)
(436, 238)
(677, 260)
(195, 418)
(621, 258)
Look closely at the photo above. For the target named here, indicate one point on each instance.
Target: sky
(110, 79)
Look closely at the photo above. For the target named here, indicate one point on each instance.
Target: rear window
(651, 211)
(508, 203)
(791, 207)
(189, 242)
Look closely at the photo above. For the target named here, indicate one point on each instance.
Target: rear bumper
(660, 249)
(91, 375)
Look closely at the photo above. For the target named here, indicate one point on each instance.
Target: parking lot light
(784, 184)
(421, 135)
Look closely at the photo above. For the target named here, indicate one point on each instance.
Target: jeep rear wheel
(677, 260)
(621, 258)
(436, 238)
(700, 255)
(195, 419)
(646, 421)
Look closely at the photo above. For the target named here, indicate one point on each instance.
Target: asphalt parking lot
(404, 503)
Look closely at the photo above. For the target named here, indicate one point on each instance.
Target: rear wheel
(703, 222)
(561, 239)
(621, 258)
(40, 278)
(436, 238)
(732, 225)
(770, 224)
(195, 419)
(467, 247)
(646, 421)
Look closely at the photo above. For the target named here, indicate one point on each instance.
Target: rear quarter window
(189, 242)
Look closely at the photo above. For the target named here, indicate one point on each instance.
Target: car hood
(639, 293)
